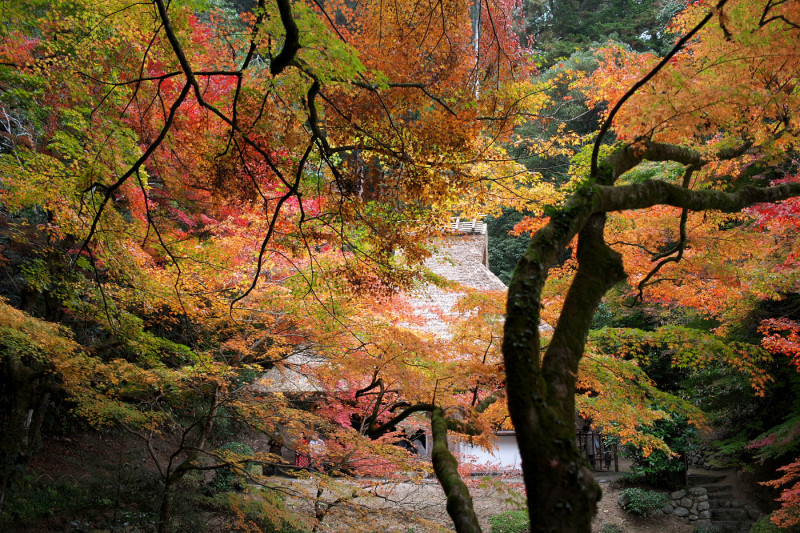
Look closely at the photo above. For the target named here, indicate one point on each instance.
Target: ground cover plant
(642, 502)
(510, 522)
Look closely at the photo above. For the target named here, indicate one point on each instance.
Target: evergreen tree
(557, 28)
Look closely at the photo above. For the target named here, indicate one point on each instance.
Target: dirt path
(420, 507)
(609, 512)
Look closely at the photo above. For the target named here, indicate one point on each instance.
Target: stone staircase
(728, 514)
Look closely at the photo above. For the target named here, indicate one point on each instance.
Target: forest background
(194, 193)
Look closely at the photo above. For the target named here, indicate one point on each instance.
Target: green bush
(225, 478)
(658, 468)
(611, 528)
(642, 502)
(510, 522)
(263, 508)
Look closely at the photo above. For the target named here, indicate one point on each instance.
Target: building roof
(288, 378)
(468, 225)
(462, 258)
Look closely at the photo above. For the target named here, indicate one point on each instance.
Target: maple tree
(781, 338)
(655, 119)
(36, 355)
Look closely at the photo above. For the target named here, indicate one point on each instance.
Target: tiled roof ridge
(468, 225)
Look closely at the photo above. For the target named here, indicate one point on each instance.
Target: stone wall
(690, 504)
(720, 510)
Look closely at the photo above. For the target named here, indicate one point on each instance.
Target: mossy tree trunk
(459, 501)
(562, 493)
(445, 465)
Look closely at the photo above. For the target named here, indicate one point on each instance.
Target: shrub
(611, 528)
(266, 510)
(658, 468)
(510, 522)
(641, 502)
(35, 498)
(225, 478)
(763, 525)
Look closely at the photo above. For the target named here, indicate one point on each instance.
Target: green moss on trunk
(459, 501)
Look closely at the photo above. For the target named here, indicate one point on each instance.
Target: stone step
(726, 513)
(720, 503)
(703, 479)
(726, 503)
(714, 489)
(730, 514)
(730, 526)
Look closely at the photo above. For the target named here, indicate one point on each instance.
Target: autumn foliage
(193, 199)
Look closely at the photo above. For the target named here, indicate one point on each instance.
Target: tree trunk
(171, 477)
(459, 501)
(165, 511)
(28, 388)
(562, 493)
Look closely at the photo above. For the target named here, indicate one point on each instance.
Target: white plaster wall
(505, 457)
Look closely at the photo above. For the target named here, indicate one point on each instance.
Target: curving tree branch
(654, 192)
(291, 44)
